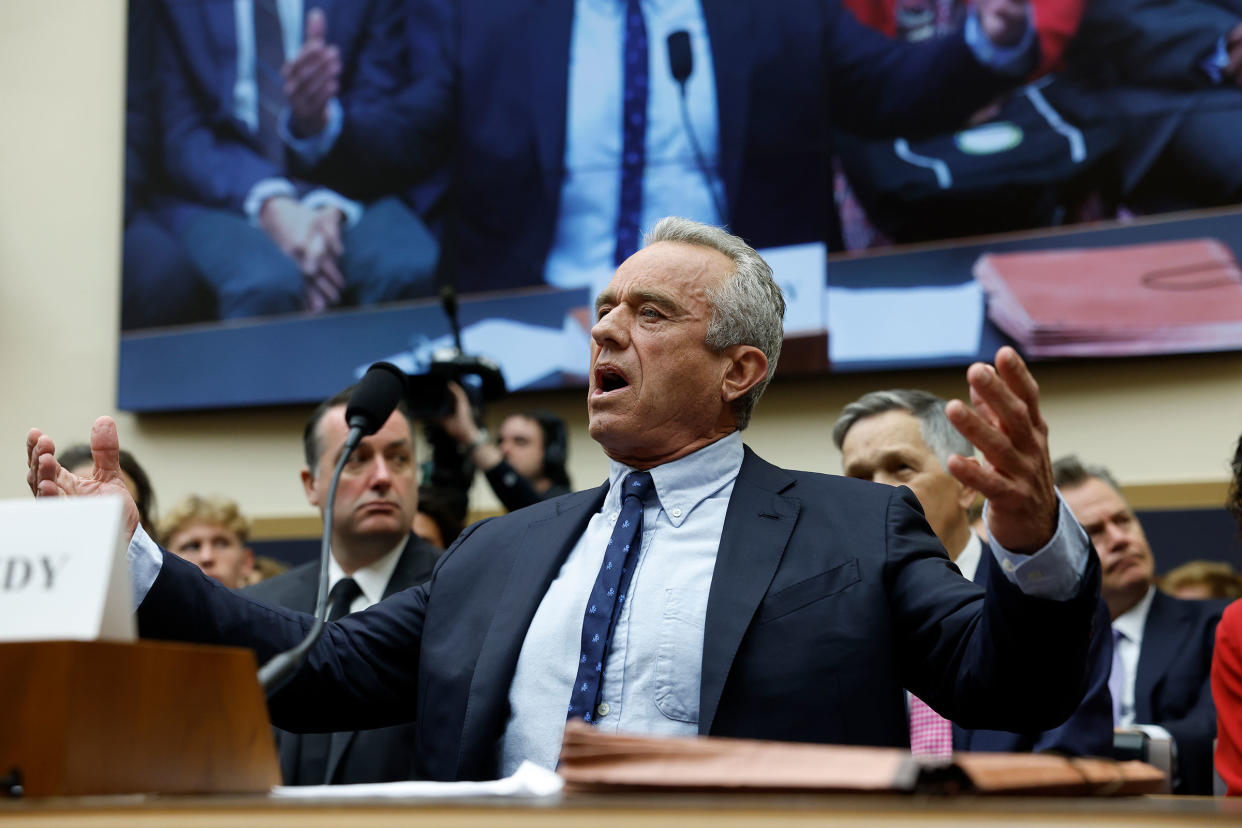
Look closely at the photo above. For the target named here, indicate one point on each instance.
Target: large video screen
(313, 185)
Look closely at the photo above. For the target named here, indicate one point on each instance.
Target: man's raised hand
(1004, 424)
(48, 478)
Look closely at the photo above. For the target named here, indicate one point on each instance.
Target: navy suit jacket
(829, 596)
(1089, 729)
(382, 755)
(1172, 687)
(493, 96)
(210, 156)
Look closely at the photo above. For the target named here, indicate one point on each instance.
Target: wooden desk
(649, 811)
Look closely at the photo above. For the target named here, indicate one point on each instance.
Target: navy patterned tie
(633, 132)
(608, 595)
(269, 52)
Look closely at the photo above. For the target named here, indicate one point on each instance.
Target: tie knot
(636, 484)
(342, 597)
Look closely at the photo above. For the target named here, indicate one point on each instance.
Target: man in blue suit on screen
(570, 124)
(266, 238)
(701, 589)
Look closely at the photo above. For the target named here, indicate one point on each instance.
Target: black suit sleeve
(361, 674)
(1154, 42)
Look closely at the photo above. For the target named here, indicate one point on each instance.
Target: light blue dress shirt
(673, 184)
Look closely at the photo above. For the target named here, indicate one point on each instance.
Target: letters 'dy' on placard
(63, 573)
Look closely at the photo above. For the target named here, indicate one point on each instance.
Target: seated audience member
(1227, 665)
(374, 555)
(902, 437)
(211, 533)
(1196, 580)
(268, 241)
(77, 459)
(1162, 645)
(526, 464)
(735, 588)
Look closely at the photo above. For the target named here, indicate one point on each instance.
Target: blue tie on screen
(269, 52)
(633, 131)
(607, 595)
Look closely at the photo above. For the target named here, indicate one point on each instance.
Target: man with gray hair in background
(902, 437)
(701, 589)
(1162, 645)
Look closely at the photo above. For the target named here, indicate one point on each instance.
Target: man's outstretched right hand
(48, 478)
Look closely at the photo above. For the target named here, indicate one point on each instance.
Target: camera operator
(526, 463)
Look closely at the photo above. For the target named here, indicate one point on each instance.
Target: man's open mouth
(608, 378)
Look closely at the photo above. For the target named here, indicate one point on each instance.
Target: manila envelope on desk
(595, 761)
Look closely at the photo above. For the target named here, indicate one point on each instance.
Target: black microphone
(680, 59)
(681, 65)
(368, 408)
(375, 398)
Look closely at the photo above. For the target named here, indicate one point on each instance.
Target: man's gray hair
(747, 308)
(938, 433)
(1069, 471)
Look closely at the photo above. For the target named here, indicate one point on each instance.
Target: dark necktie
(342, 596)
(608, 595)
(269, 56)
(633, 132)
(315, 747)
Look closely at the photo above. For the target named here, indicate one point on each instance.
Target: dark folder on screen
(1165, 297)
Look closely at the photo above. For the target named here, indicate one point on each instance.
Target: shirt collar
(373, 578)
(968, 559)
(1132, 621)
(687, 481)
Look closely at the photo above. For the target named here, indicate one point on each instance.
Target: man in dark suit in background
(268, 241)
(702, 589)
(526, 101)
(1163, 645)
(903, 438)
(373, 556)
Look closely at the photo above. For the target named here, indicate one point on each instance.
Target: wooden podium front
(97, 717)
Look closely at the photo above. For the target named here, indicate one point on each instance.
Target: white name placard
(63, 573)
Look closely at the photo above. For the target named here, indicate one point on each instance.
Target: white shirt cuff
(315, 199)
(145, 561)
(1015, 61)
(1056, 570)
(262, 191)
(311, 149)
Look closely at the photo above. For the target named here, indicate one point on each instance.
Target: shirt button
(603, 709)
(675, 513)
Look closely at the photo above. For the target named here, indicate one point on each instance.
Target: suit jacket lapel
(221, 27)
(728, 25)
(551, 27)
(535, 561)
(757, 527)
(1162, 634)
